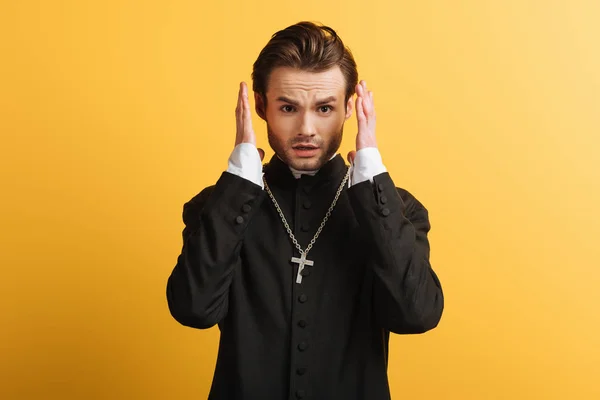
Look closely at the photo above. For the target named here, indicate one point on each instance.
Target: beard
(283, 149)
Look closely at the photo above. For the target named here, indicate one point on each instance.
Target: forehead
(286, 81)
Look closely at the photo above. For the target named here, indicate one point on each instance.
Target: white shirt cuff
(367, 164)
(245, 162)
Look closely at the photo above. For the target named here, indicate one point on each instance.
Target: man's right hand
(244, 130)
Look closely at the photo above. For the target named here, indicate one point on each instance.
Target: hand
(365, 114)
(244, 131)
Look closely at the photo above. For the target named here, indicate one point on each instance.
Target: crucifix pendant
(302, 261)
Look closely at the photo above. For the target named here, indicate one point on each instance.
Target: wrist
(366, 145)
(245, 141)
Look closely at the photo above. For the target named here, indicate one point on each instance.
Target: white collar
(297, 174)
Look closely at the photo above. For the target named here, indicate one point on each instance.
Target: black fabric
(326, 338)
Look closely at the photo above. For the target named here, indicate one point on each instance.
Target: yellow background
(114, 113)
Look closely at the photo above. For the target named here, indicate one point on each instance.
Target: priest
(306, 264)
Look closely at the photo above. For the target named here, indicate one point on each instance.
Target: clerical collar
(279, 173)
(298, 174)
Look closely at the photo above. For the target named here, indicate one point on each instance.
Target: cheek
(331, 125)
(281, 125)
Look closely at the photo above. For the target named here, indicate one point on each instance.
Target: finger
(351, 156)
(245, 100)
(359, 90)
(239, 102)
(247, 115)
(367, 98)
(370, 107)
(261, 153)
(360, 112)
(238, 116)
(373, 112)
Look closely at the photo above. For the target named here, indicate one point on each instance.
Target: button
(306, 189)
(302, 298)
(300, 394)
(301, 371)
(385, 212)
(239, 219)
(306, 204)
(383, 199)
(304, 227)
(303, 346)
(302, 323)
(380, 187)
(305, 272)
(246, 208)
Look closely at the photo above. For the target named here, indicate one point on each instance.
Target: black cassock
(323, 339)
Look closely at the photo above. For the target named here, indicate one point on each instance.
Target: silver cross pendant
(302, 261)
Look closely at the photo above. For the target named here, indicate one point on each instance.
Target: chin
(306, 164)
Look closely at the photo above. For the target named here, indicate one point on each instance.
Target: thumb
(261, 153)
(351, 156)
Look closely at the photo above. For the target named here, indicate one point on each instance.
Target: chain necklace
(302, 261)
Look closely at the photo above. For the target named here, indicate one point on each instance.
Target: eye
(325, 109)
(287, 109)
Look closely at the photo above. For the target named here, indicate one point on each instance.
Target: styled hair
(308, 47)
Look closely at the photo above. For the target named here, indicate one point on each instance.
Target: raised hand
(244, 130)
(365, 114)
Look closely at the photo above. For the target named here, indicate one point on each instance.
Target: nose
(307, 125)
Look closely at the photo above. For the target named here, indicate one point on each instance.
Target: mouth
(307, 146)
(305, 150)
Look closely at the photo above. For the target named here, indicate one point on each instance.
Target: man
(306, 265)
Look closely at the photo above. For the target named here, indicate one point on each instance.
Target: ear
(259, 106)
(349, 107)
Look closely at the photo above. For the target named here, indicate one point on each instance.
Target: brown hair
(306, 46)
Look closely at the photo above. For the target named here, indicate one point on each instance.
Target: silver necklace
(303, 261)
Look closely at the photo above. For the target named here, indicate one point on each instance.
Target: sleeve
(215, 224)
(367, 164)
(245, 162)
(407, 294)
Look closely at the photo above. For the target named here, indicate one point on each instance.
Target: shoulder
(412, 205)
(201, 196)
(194, 205)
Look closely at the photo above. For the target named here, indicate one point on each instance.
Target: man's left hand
(365, 114)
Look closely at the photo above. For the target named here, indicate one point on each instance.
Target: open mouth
(306, 150)
(305, 147)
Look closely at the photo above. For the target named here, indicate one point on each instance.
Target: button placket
(302, 346)
(300, 329)
(304, 226)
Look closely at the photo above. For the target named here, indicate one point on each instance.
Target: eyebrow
(330, 99)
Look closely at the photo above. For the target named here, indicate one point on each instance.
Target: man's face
(305, 115)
